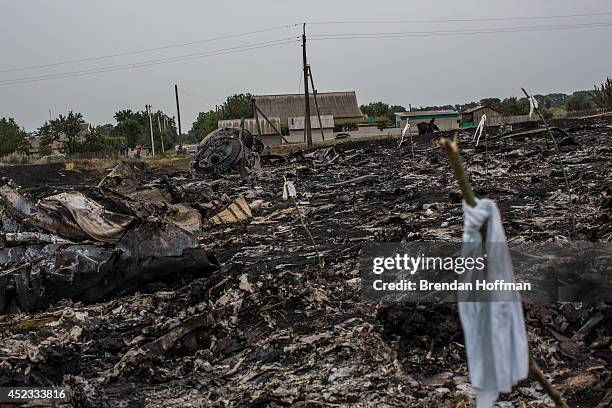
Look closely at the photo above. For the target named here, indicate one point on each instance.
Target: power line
(351, 36)
(460, 20)
(141, 64)
(142, 51)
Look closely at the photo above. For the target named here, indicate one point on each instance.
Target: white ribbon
(533, 105)
(404, 132)
(289, 190)
(480, 128)
(494, 330)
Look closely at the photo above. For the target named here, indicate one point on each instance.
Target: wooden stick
(256, 119)
(314, 94)
(552, 137)
(452, 151)
(269, 121)
(320, 260)
(552, 392)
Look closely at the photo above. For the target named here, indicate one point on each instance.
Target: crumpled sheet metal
(97, 222)
(23, 210)
(151, 252)
(150, 240)
(143, 200)
(186, 218)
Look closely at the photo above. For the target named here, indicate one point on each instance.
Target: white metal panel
(251, 126)
(297, 122)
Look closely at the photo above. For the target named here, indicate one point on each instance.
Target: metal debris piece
(237, 211)
(426, 128)
(91, 217)
(224, 149)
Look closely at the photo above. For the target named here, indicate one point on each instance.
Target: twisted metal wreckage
(69, 245)
(227, 148)
(118, 239)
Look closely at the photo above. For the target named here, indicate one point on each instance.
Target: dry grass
(296, 147)
(170, 162)
(16, 158)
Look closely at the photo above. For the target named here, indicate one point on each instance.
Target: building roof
(479, 107)
(341, 105)
(427, 113)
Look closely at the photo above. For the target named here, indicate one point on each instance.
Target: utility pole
(178, 113)
(148, 107)
(161, 135)
(314, 94)
(307, 129)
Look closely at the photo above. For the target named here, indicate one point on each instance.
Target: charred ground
(271, 328)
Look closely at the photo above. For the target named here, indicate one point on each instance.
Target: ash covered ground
(269, 327)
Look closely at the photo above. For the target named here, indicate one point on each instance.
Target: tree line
(600, 98)
(132, 128)
(235, 107)
(74, 135)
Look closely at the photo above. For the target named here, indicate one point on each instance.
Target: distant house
(444, 119)
(471, 117)
(296, 127)
(342, 106)
(60, 142)
(34, 142)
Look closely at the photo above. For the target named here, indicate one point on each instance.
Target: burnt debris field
(145, 287)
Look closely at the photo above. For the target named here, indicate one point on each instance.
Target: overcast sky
(411, 70)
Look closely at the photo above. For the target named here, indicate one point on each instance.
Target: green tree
(46, 135)
(133, 128)
(69, 126)
(580, 100)
(205, 123)
(130, 126)
(380, 110)
(491, 102)
(515, 106)
(602, 97)
(235, 107)
(12, 137)
(553, 100)
(166, 125)
(375, 109)
(98, 139)
(393, 109)
(238, 106)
